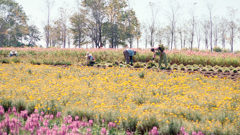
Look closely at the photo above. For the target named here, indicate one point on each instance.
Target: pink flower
(103, 131)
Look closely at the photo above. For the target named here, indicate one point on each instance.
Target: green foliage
(182, 67)
(138, 65)
(204, 69)
(141, 75)
(161, 46)
(150, 64)
(231, 67)
(20, 105)
(211, 69)
(168, 67)
(226, 70)
(234, 70)
(6, 103)
(219, 70)
(217, 49)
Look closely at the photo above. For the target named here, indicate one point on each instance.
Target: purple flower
(46, 117)
(111, 125)
(103, 131)
(42, 113)
(90, 122)
(14, 109)
(76, 118)
(154, 131)
(69, 119)
(35, 111)
(45, 123)
(1, 110)
(9, 110)
(51, 117)
(88, 129)
(128, 133)
(58, 114)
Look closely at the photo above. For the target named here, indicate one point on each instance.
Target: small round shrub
(211, 69)
(235, 70)
(219, 70)
(217, 49)
(226, 70)
(204, 69)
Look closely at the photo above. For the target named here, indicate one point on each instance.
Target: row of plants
(13, 121)
(136, 100)
(74, 56)
(154, 65)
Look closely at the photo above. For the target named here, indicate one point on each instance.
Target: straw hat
(88, 54)
(13, 52)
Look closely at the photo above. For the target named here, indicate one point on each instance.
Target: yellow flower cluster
(191, 100)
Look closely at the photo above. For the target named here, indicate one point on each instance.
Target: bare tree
(216, 30)
(223, 30)
(160, 35)
(146, 36)
(210, 10)
(232, 25)
(206, 26)
(62, 23)
(167, 35)
(172, 16)
(48, 7)
(198, 31)
(180, 32)
(192, 23)
(152, 27)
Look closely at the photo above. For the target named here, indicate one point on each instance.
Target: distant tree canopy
(13, 25)
(105, 20)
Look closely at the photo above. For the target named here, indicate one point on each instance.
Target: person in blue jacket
(13, 53)
(90, 60)
(128, 54)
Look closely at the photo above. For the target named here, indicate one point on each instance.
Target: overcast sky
(35, 10)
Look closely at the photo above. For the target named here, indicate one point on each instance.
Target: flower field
(57, 56)
(137, 100)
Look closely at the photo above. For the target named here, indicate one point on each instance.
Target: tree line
(97, 22)
(14, 29)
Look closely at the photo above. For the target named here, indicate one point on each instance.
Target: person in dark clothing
(160, 51)
(128, 54)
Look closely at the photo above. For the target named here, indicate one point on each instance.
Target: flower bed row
(56, 56)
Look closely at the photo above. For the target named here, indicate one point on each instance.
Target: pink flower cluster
(182, 132)
(39, 124)
(154, 131)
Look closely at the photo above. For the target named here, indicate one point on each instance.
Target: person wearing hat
(90, 59)
(13, 53)
(160, 51)
(128, 54)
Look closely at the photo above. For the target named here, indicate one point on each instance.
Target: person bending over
(128, 54)
(90, 59)
(13, 53)
(160, 51)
